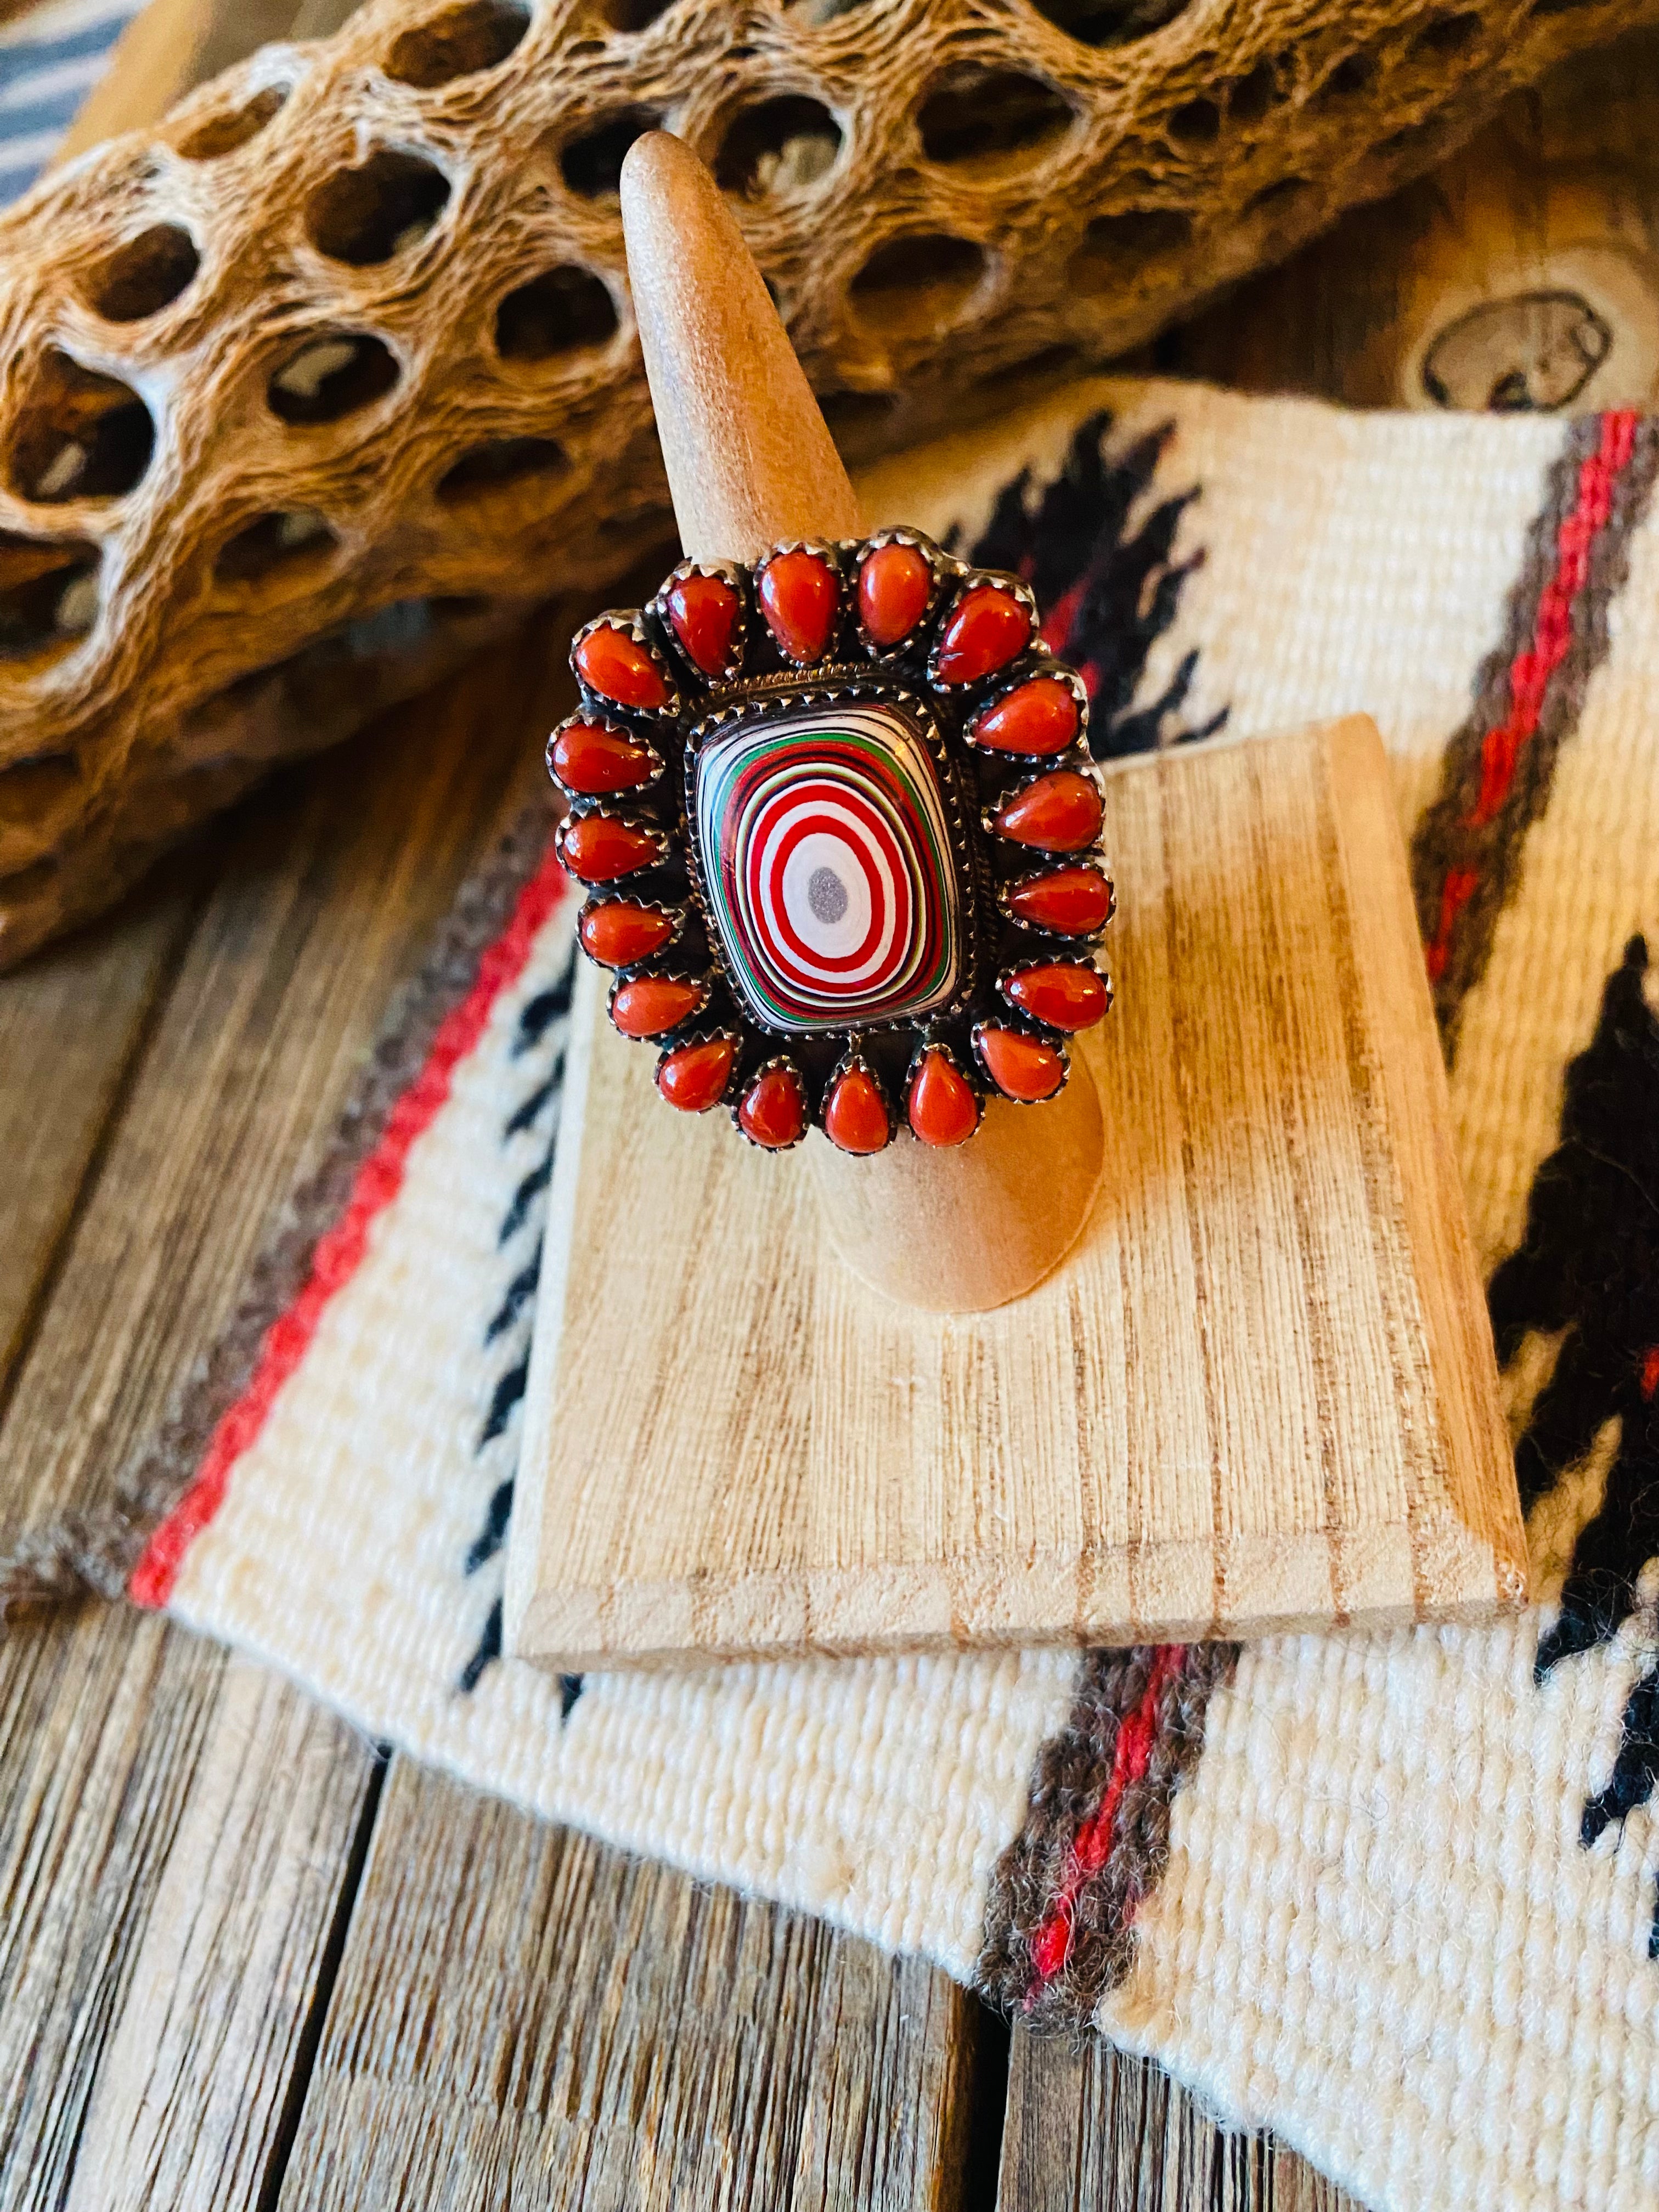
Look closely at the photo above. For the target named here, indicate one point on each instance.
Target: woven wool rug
(1392, 1895)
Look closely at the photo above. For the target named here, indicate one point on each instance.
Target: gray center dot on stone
(826, 895)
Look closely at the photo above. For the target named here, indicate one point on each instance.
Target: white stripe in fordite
(827, 867)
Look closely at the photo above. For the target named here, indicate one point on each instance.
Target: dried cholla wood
(350, 331)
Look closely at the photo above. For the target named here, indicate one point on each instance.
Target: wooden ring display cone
(750, 462)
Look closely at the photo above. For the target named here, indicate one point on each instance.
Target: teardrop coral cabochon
(828, 867)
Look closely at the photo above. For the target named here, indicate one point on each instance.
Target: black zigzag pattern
(539, 1037)
(1108, 593)
(1588, 1266)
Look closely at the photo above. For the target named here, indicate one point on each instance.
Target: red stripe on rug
(1533, 665)
(1137, 1733)
(340, 1250)
(1458, 888)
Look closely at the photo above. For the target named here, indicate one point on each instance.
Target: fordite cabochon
(839, 832)
(826, 864)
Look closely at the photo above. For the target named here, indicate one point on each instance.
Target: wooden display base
(1258, 1393)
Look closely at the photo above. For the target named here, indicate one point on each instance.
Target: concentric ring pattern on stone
(828, 867)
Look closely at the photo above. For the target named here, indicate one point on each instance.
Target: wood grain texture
(190, 2102)
(69, 1027)
(525, 2018)
(1522, 273)
(1259, 1392)
(749, 459)
(1468, 1502)
(175, 1826)
(1087, 2129)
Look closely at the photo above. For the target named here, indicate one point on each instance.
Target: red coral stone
(894, 585)
(597, 848)
(1072, 901)
(617, 666)
(774, 1109)
(987, 627)
(694, 1076)
(616, 933)
(855, 1113)
(1058, 813)
(591, 760)
(704, 612)
(800, 597)
(942, 1108)
(1021, 1067)
(1064, 996)
(1038, 717)
(651, 1003)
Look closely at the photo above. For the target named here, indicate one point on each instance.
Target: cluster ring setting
(839, 830)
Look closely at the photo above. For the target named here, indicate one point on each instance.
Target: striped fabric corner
(172, 1487)
(50, 58)
(1063, 1905)
(374, 1143)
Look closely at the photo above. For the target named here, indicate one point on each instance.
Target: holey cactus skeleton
(337, 365)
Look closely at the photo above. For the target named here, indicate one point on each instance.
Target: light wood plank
(70, 1023)
(1275, 1280)
(525, 2018)
(178, 1832)
(1087, 2129)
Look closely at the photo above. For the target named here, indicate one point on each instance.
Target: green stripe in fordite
(828, 867)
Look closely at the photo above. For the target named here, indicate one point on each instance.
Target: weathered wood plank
(191, 2101)
(179, 1832)
(69, 1025)
(1558, 197)
(523, 2017)
(173, 1827)
(1087, 2129)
